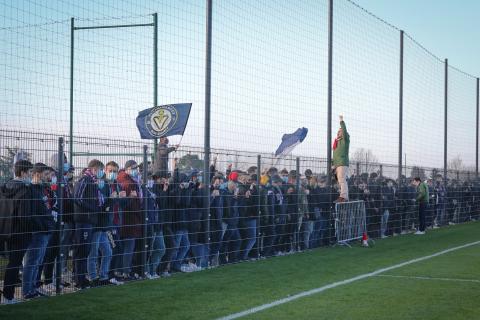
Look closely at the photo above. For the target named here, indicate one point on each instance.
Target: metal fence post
(477, 124)
(329, 94)
(59, 228)
(259, 203)
(208, 78)
(145, 244)
(400, 111)
(445, 150)
(72, 33)
(297, 232)
(155, 73)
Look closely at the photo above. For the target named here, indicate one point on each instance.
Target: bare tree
(456, 164)
(368, 162)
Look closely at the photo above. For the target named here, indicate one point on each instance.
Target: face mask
(100, 174)
(285, 179)
(101, 184)
(134, 173)
(150, 184)
(27, 180)
(54, 180)
(112, 176)
(223, 186)
(66, 167)
(200, 179)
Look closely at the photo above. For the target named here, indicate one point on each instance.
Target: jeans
(17, 246)
(231, 244)
(117, 254)
(33, 258)
(182, 245)
(384, 225)
(66, 241)
(250, 236)
(128, 250)
(342, 173)
(99, 242)
(200, 253)
(307, 232)
(83, 239)
(157, 245)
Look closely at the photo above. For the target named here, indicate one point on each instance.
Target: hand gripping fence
(350, 221)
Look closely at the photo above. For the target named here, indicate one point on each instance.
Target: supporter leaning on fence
(16, 224)
(118, 202)
(42, 227)
(89, 202)
(131, 229)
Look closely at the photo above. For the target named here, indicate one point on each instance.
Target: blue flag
(290, 141)
(163, 121)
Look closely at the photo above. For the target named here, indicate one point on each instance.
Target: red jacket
(132, 214)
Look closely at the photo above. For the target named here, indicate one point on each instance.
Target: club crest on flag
(161, 119)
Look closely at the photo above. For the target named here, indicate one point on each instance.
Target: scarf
(101, 199)
(335, 143)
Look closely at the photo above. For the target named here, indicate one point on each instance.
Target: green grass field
(430, 289)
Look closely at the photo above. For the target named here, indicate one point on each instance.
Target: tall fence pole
(400, 111)
(155, 72)
(329, 94)
(299, 205)
(476, 136)
(72, 33)
(259, 203)
(445, 149)
(208, 78)
(145, 244)
(58, 233)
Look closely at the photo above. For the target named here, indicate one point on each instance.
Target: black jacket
(15, 208)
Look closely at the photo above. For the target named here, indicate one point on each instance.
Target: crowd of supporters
(116, 225)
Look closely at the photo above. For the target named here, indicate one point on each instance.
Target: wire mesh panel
(423, 107)
(268, 74)
(365, 82)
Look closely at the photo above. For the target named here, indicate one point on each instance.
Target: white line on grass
(428, 278)
(340, 283)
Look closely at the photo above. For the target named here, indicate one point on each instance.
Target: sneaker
(451, 223)
(31, 295)
(186, 268)
(155, 276)
(420, 232)
(404, 232)
(436, 226)
(47, 289)
(10, 301)
(384, 236)
(114, 281)
(148, 276)
(166, 274)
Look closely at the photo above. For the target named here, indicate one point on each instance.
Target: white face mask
(54, 180)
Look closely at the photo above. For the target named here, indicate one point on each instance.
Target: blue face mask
(100, 174)
(27, 180)
(54, 180)
(101, 184)
(112, 176)
(134, 173)
(66, 167)
(223, 186)
(285, 179)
